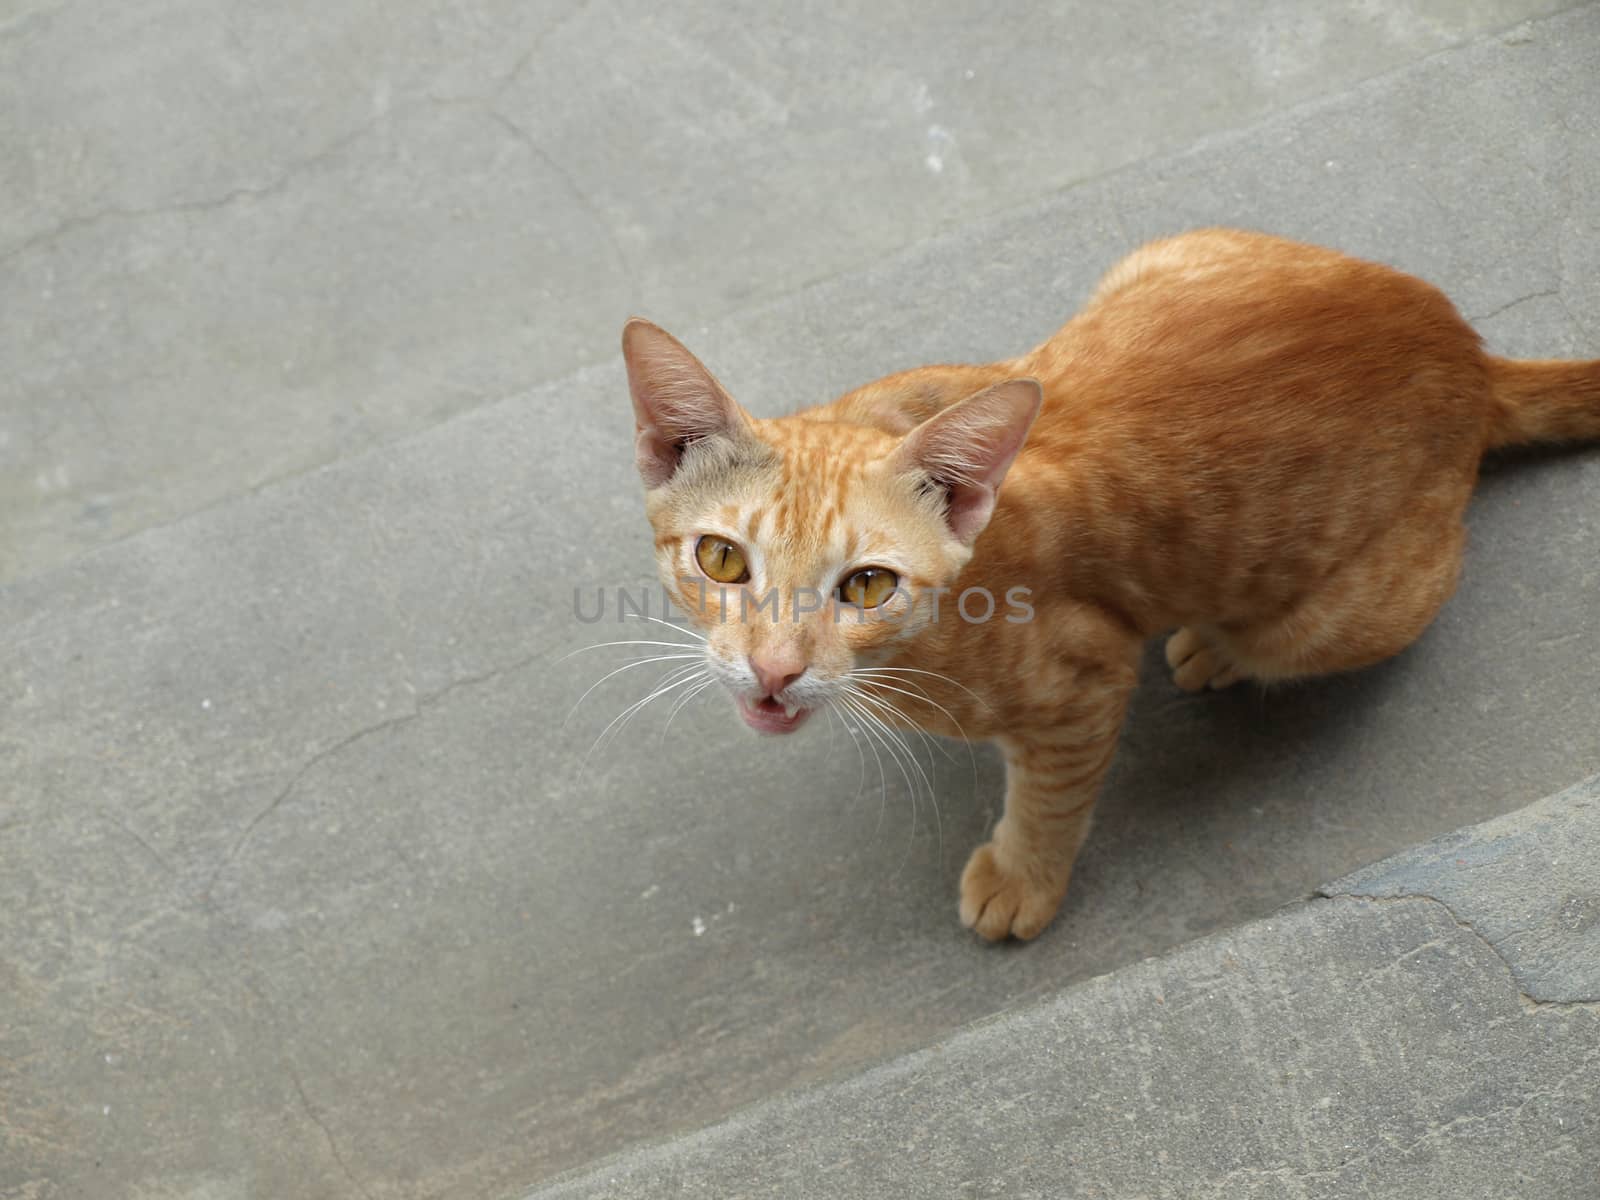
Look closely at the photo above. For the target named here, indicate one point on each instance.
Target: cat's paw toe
(998, 902)
(1196, 665)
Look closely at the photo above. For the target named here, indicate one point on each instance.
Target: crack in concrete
(528, 55)
(583, 199)
(1529, 1001)
(205, 204)
(155, 854)
(1548, 292)
(333, 1146)
(208, 204)
(427, 701)
(421, 703)
(288, 788)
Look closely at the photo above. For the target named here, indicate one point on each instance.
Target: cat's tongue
(768, 716)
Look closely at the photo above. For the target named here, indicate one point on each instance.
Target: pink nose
(774, 672)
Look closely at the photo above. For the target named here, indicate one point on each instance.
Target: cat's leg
(1014, 883)
(1369, 610)
(1197, 663)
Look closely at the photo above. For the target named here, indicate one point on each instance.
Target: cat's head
(805, 548)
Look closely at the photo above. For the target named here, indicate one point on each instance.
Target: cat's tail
(1542, 400)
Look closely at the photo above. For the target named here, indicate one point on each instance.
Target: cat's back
(1222, 337)
(1227, 307)
(1233, 401)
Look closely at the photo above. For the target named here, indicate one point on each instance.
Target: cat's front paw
(1001, 900)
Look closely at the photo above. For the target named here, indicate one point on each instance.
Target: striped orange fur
(1263, 446)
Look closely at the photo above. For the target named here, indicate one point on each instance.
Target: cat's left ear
(676, 401)
(967, 449)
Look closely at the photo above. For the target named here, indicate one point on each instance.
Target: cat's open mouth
(767, 715)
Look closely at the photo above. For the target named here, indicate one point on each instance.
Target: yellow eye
(868, 587)
(721, 559)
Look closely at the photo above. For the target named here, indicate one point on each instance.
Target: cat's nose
(774, 672)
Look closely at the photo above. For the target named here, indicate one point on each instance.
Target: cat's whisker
(972, 759)
(861, 774)
(873, 673)
(638, 662)
(932, 743)
(877, 728)
(618, 723)
(626, 642)
(875, 740)
(872, 677)
(676, 628)
(861, 766)
(933, 795)
(878, 674)
(883, 778)
(932, 674)
(884, 705)
(674, 680)
(894, 720)
(683, 700)
(875, 683)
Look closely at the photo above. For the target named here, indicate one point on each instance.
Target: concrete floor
(238, 241)
(1427, 1027)
(302, 891)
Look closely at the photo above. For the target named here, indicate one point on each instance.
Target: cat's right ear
(676, 401)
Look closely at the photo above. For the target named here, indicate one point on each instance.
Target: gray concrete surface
(1528, 884)
(1355, 1046)
(241, 240)
(302, 891)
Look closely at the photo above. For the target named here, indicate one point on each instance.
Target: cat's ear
(676, 401)
(966, 450)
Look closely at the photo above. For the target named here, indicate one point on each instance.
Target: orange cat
(1263, 445)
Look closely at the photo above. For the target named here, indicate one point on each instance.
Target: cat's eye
(868, 587)
(721, 559)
